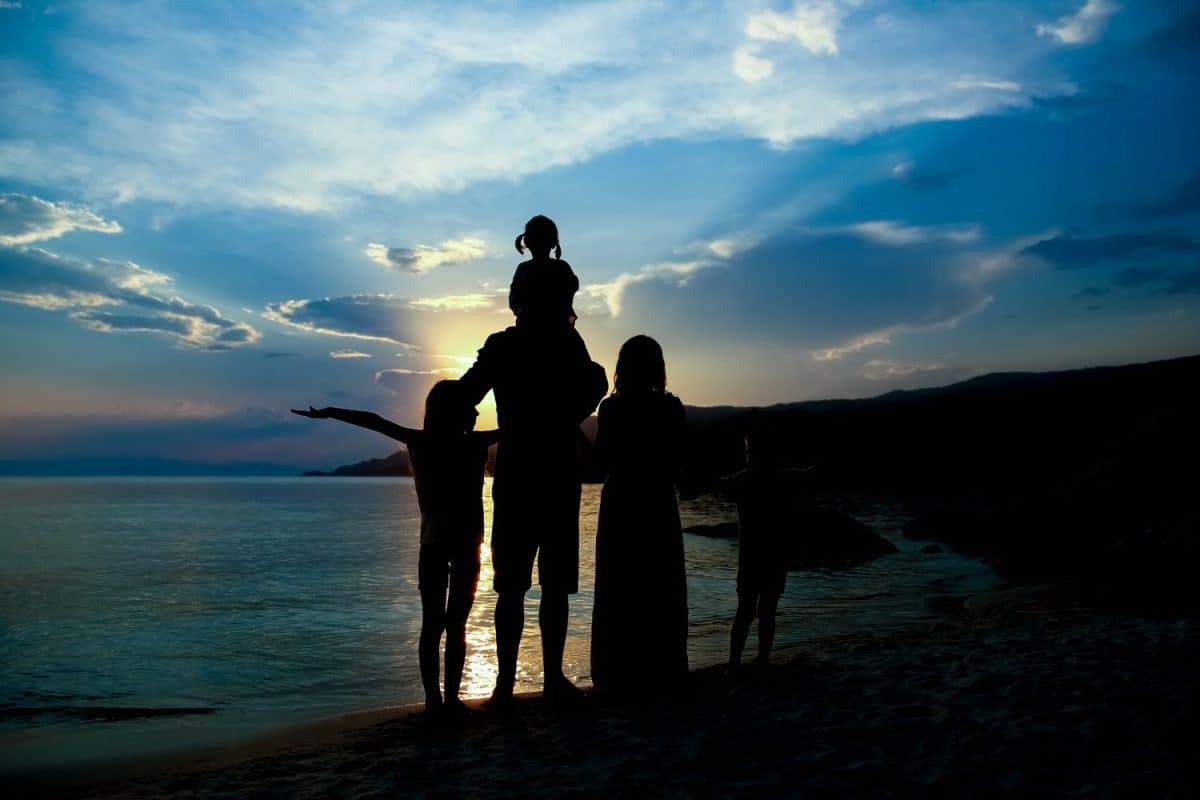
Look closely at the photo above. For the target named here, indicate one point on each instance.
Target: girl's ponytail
(519, 243)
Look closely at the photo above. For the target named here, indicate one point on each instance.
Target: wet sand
(1007, 696)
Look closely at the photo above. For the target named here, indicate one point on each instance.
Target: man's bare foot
(561, 691)
(501, 699)
(456, 709)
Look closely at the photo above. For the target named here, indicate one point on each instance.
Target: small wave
(100, 713)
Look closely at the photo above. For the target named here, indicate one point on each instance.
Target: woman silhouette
(640, 616)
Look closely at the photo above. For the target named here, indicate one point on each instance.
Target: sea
(144, 614)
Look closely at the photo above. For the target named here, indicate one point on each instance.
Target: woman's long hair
(641, 367)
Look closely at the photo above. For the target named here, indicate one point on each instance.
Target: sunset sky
(212, 212)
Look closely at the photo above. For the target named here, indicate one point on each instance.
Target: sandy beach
(1009, 695)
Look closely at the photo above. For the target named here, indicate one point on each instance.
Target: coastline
(1015, 692)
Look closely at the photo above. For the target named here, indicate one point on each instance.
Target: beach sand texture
(1008, 697)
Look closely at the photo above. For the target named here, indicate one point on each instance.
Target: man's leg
(510, 622)
(552, 619)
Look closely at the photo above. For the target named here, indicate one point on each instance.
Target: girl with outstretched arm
(448, 458)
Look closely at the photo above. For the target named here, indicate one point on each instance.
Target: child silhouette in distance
(448, 458)
(768, 499)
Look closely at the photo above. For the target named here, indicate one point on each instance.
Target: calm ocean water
(271, 600)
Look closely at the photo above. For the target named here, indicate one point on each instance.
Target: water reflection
(276, 599)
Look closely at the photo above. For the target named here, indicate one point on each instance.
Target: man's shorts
(544, 526)
(457, 568)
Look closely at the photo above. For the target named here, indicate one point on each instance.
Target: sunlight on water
(479, 672)
(277, 599)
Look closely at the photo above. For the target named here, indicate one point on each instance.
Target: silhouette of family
(545, 386)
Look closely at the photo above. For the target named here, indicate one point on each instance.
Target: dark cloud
(1092, 308)
(282, 355)
(385, 318)
(930, 181)
(1091, 293)
(1182, 199)
(409, 387)
(1170, 282)
(829, 293)
(1179, 40)
(424, 258)
(1133, 277)
(111, 296)
(1070, 252)
(372, 317)
(106, 321)
(1186, 282)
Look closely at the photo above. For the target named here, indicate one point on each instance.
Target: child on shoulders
(543, 288)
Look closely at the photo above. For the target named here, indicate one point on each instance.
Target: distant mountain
(1014, 430)
(134, 467)
(395, 465)
(997, 432)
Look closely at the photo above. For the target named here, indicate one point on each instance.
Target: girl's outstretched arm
(363, 419)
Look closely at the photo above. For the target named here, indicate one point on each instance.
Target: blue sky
(210, 213)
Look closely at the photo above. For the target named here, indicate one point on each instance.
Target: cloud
(314, 109)
(751, 67)
(857, 344)
(379, 317)
(1186, 281)
(403, 381)
(824, 293)
(813, 24)
(456, 302)
(1068, 252)
(1093, 95)
(10, 4)
(923, 180)
(1082, 27)
(607, 297)
(880, 369)
(424, 258)
(348, 354)
(25, 219)
(1091, 293)
(370, 317)
(1181, 199)
(114, 296)
(969, 82)
(898, 234)
(1138, 276)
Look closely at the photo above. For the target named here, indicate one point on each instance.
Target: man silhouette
(545, 386)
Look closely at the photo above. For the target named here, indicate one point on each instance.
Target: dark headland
(1087, 473)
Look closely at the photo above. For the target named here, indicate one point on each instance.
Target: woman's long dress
(640, 617)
